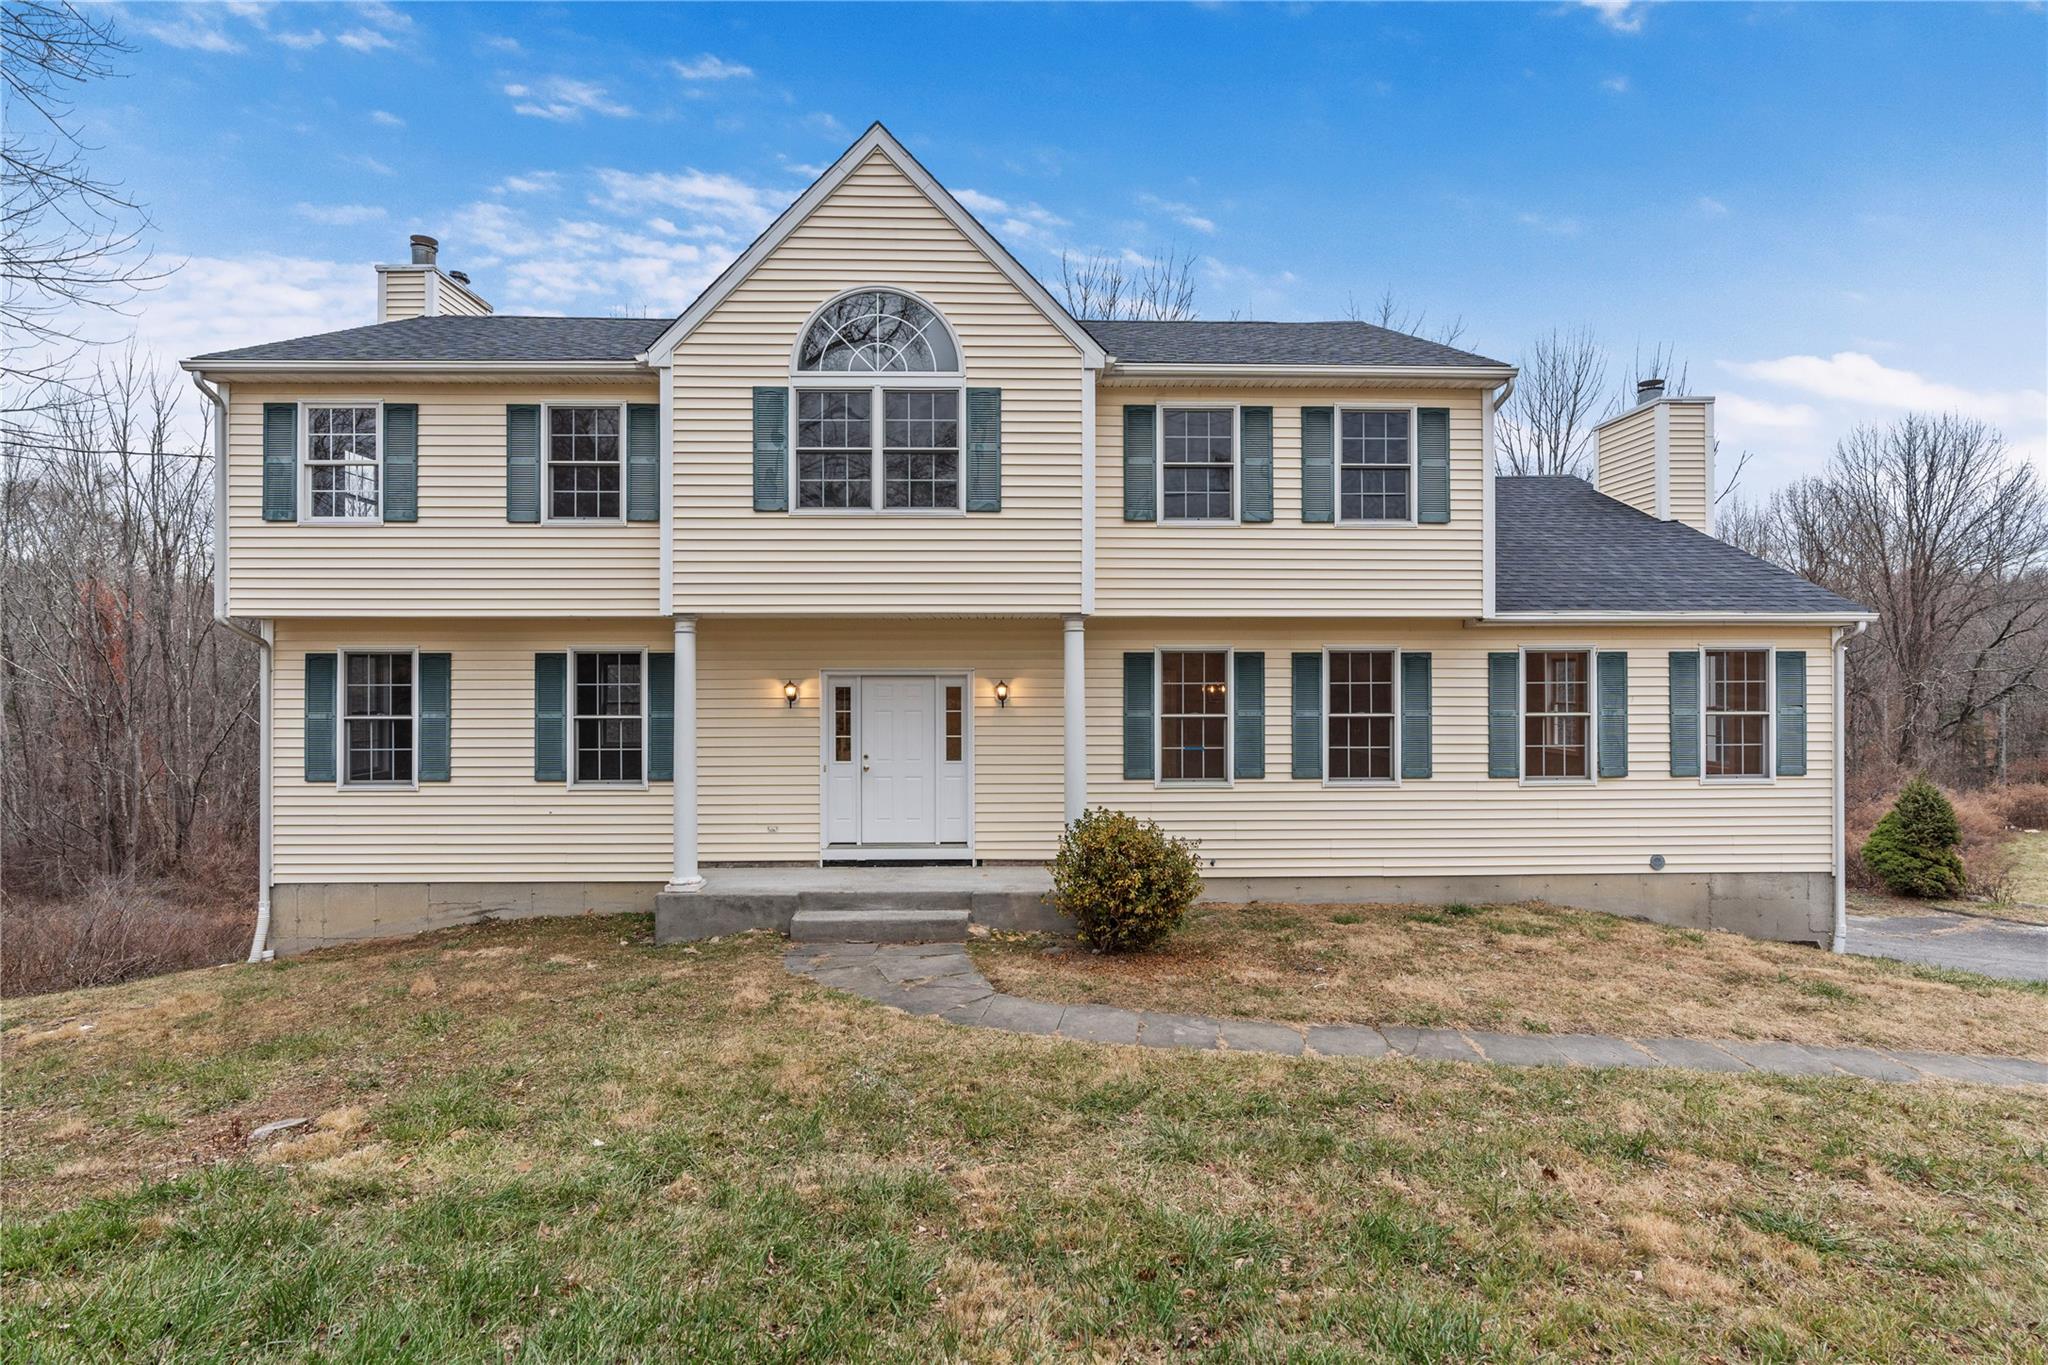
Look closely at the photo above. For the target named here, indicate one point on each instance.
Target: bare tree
(1389, 312)
(71, 245)
(1547, 425)
(1155, 289)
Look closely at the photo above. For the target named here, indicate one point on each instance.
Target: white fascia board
(627, 369)
(876, 139)
(1811, 618)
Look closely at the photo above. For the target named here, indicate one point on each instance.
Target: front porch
(736, 899)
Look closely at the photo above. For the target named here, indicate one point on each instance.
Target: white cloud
(364, 161)
(1615, 85)
(1746, 413)
(1550, 224)
(717, 196)
(710, 68)
(212, 303)
(1710, 206)
(193, 28)
(1623, 16)
(562, 100)
(363, 40)
(299, 41)
(825, 123)
(1016, 222)
(386, 118)
(1184, 214)
(499, 42)
(976, 202)
(533, 182)
(339, 215)
(1854, 378)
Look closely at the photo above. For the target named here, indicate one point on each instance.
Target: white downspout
(264, 639)
(1840, 763)
(1489, 448)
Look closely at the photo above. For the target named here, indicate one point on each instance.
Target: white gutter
(264, 639)
(1471, 375)
(1842, 636)
(1728, 618)
(1489, 447)
(599, 368)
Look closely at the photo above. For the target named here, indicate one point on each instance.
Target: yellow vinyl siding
(403, 294)
(491, 822)
(1627, 458)
(461, 558)
(759, 799)
(877, 229)
(1689, 455)
(459, 302)
(1288, 567)
(1460, 821)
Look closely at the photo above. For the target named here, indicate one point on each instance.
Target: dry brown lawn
(1528, 969)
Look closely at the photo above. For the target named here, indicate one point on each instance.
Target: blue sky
(1831, 212)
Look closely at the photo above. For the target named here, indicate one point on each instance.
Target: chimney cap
(1649, 390)
(424, 249)
(459, 278)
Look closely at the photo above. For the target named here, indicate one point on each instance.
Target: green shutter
(1256, 504)
(771, 449)
(643, 462)
(1613, 733)
(1791, 713)
(984, 450)
(1418, 758)
(1433, 465)
(1248, 708)
(320, 669)
(661, 717)
(550, 717)
(522, 462)
(1138, 716)
(1306, 671)
(280, 461)
(1503, 714)
(436, 697)
(1318, 471)
(1141, 443)
(1685, 713)
(401, 462)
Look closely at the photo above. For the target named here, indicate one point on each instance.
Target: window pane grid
(584, 470)
(842, 725)
(921, 449)
(609, 730)
(834, 448)
(1373, 473)
(1194, 716)
(954, 724)
(1361, 711)
(341, 462)
(1737, 732)
(1198, 463)
(377, 727)
(1556, 715)
(879, 331)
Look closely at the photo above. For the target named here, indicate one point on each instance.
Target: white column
(1075, 692)
(685, 876)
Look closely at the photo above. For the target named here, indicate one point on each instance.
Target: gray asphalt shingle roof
(1561, 546)
(1273, 343)
(488, 338)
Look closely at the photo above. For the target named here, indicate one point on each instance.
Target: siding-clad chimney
(420, 288)
(1658, 457)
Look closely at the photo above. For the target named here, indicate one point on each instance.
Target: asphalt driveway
(2018, 952)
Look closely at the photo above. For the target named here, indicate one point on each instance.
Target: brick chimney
(1658, 457)
(420, 288)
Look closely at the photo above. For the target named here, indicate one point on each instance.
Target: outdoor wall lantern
(1002, 694)
(789, 691)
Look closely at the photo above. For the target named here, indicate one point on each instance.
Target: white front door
(895, 762)
(899, 778)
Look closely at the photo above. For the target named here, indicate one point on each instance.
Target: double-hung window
(1194, 715)
(1198, 464)
(1557, 700)
(1361, 715)
(610, 734)
(1375, 465)
(342, 464)
(1736, 737)
(379, 719)
(586, 469)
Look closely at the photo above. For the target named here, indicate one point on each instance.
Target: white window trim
(815, 381)
(547, 493)
(1324, 699)
(1160, 781)
(341, 656)
(1592, 777)
(1236, 517)
(570, 715)
(306, 462)
(1770, 774)
(1414, 466)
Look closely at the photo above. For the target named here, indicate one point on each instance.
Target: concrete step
(874, 924)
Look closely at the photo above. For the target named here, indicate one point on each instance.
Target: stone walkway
(940, 979)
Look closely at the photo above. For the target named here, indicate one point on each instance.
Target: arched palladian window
(878, 331)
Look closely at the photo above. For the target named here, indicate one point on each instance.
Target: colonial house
(876, 556)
